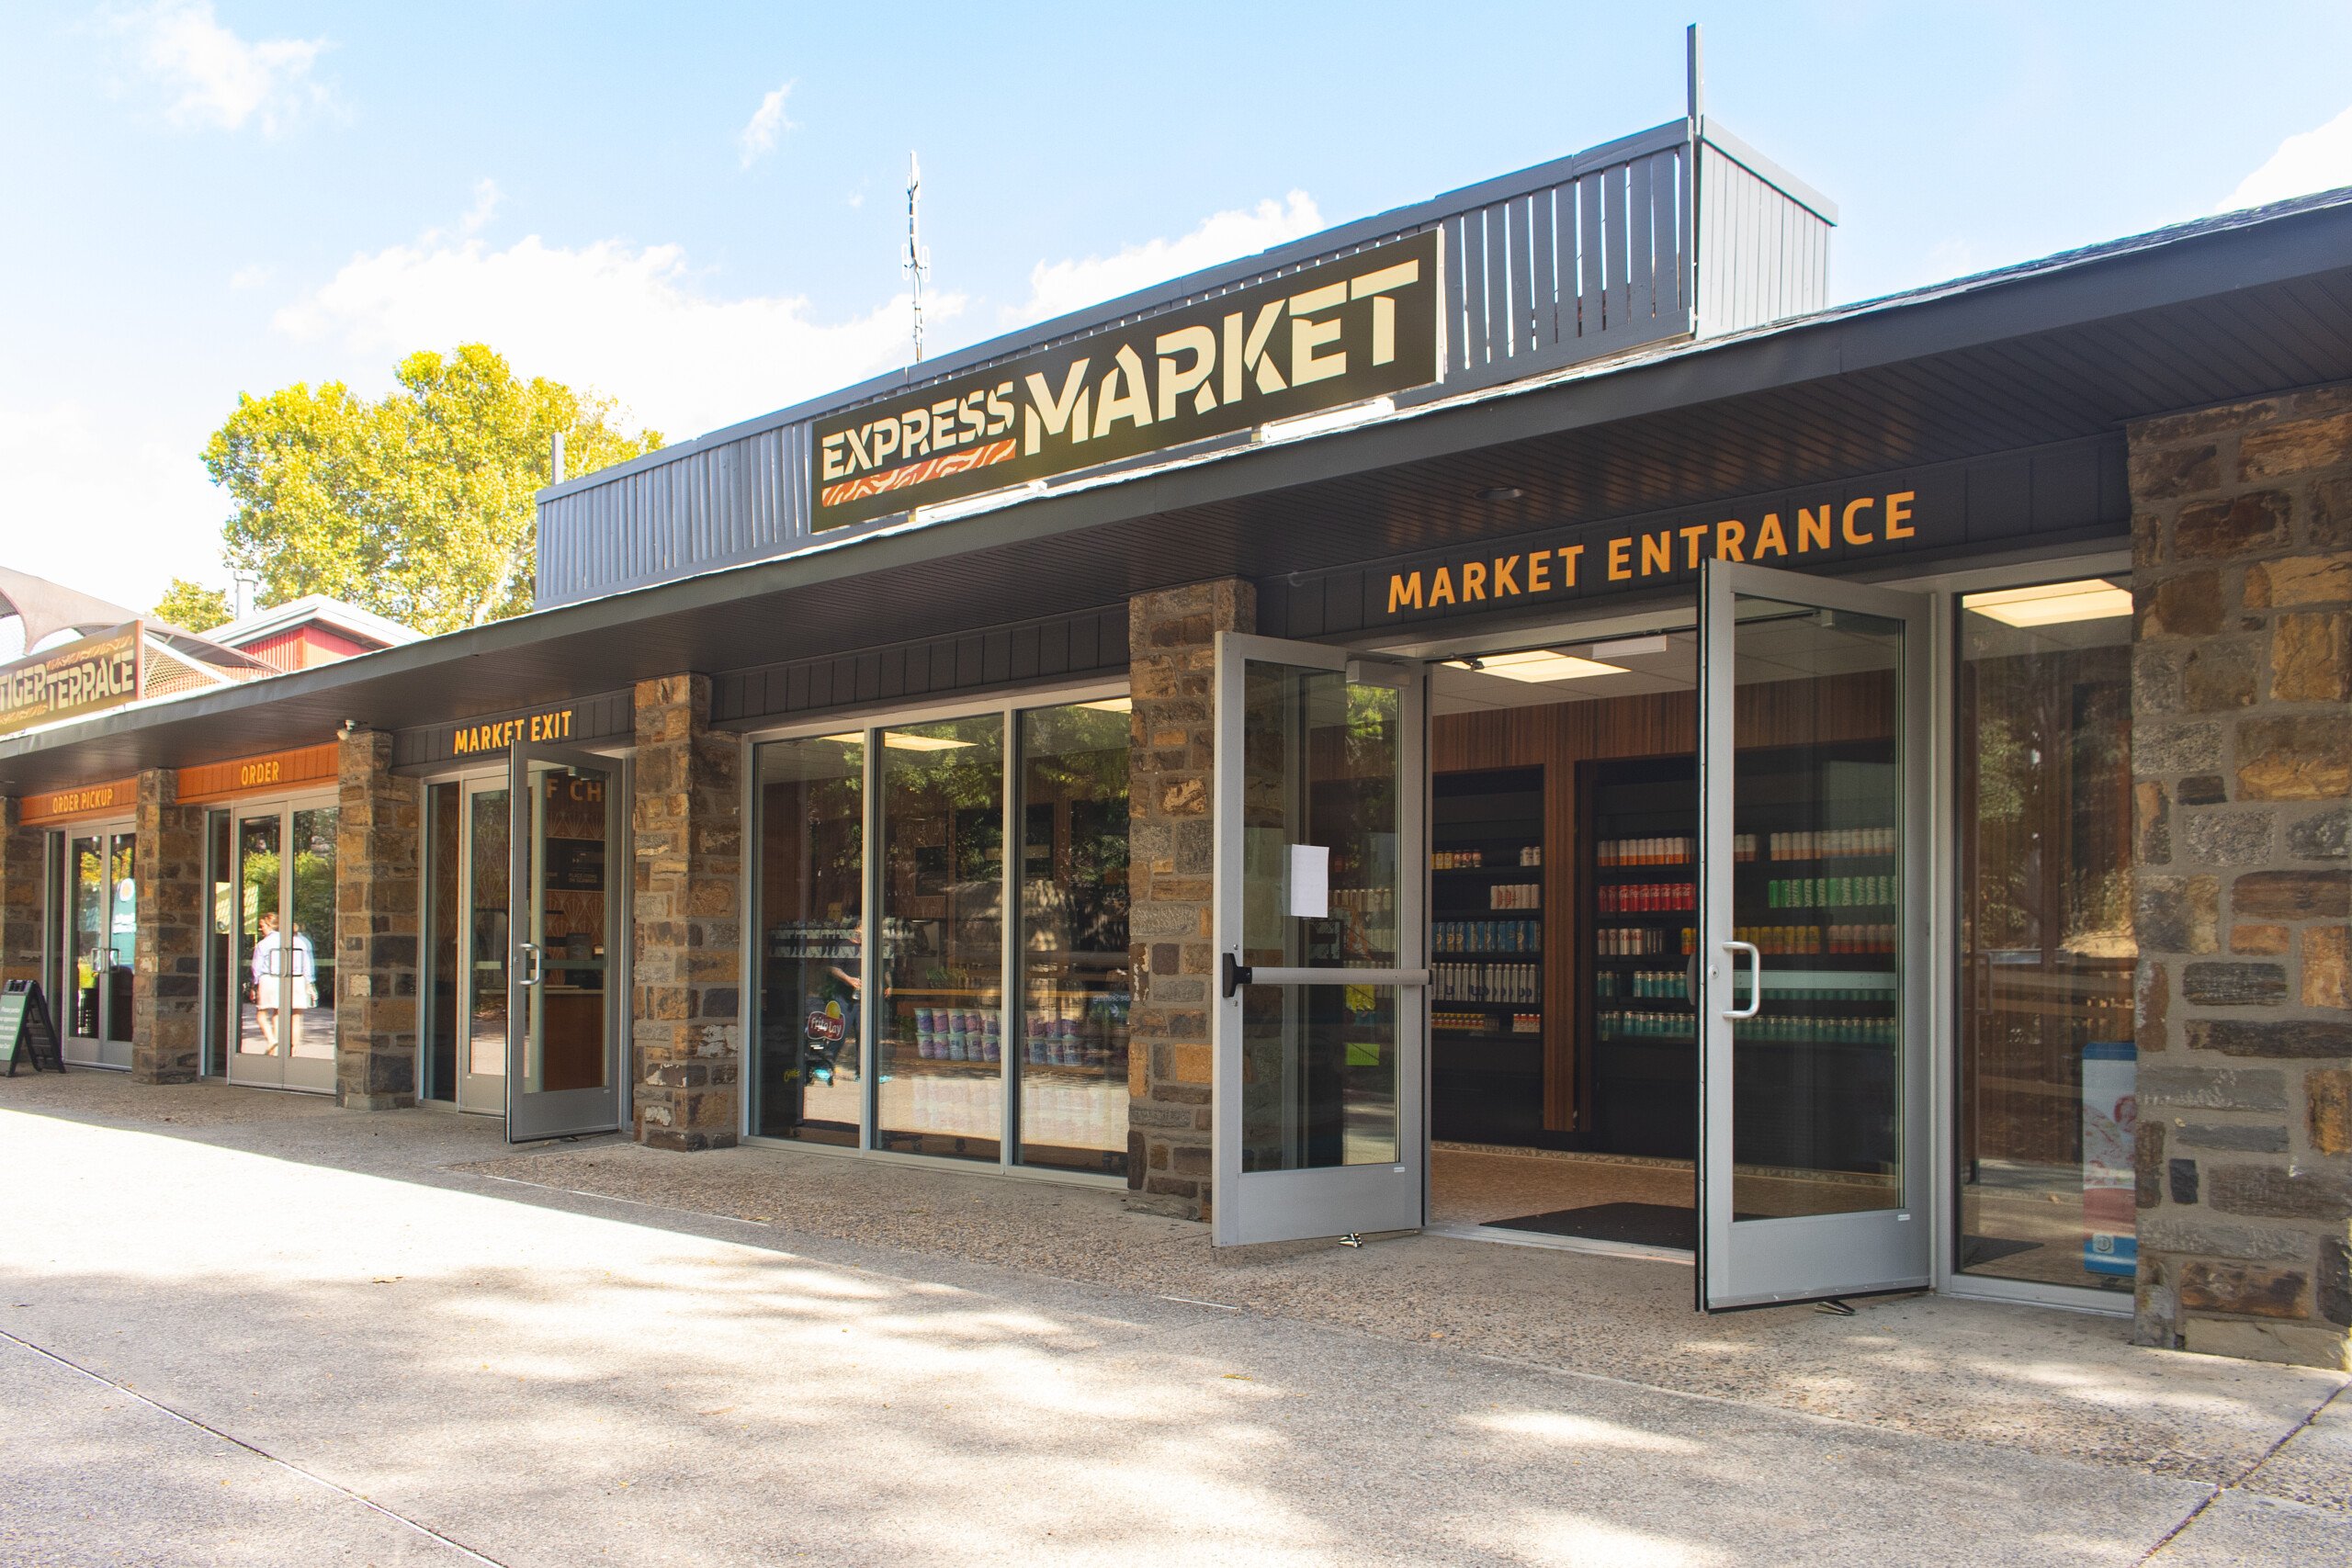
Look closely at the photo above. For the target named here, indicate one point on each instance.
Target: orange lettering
(1898, 515)
(1812, 533)
(1473, 581)
(1539, 572)
(1729, 532)
(1845, 523)
(1770, 537)
(1506, 575)
(1658, 553)
(1441, 588)
(1692, 535)
(1567, 554)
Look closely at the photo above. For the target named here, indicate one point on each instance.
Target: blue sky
(699, 208)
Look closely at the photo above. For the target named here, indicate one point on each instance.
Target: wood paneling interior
(1560, 737)
(2045, 810)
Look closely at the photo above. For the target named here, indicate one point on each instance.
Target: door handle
(1755, 980)
(1238, 975)
(533, 963)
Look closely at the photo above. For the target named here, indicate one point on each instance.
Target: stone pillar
(22, 906)
(2242, 758)
(167, 981)
(1172, 672)
(686, 988)
(378, 865)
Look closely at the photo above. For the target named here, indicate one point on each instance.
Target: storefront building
(1510, 718)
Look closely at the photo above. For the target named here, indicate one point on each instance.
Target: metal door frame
(1335, 1200)
(239, 811)
(567, 1112)
(62, 1003)
(1811, 1257)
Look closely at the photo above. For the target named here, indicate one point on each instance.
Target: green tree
(192, 608)
(418, 505)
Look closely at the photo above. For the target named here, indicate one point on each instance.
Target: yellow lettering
(1306, 336)
(1845, 523)
(1729, 532)
(1812, 533)
(1658, 553)
(1132, 402)
(1506, 575)
(1376, 285)
(1539, 572)
(1769, 536)
(1567, 554)
(1200, 344)
(1898, 515)
(1692, 536)
(1473, 581)
(1441, 588)
(1050, 416)
(836, 458)
(1403, 590)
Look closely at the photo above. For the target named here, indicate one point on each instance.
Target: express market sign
(101, 672)
(1320, 338)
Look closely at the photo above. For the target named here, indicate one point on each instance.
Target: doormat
(1639, 1224)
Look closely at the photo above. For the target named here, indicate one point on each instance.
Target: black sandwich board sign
(27, 1029)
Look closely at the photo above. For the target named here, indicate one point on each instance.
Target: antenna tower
(917, 261)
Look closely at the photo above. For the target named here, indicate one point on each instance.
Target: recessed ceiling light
(1537, 665)
(848, 738)
(1112, 704)
(900, 740)
(2053, 604)
(1501, 492)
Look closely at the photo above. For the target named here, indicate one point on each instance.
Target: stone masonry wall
(1173, 673)
(167, 982)
(20, 897)
(2242, 757)
(686, 989)
(379, 861)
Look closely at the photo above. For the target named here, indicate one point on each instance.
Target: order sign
(1328, 335)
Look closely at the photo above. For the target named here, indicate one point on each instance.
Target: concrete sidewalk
(365, 1340)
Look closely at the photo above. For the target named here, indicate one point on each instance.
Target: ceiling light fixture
(1501, 492)
(899, 740)
(1537, 666)
(2053, 604)
(1111, 704)
(1631, 646)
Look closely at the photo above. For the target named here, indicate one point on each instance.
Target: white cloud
(253, 274)
(758, 138)
(1059, 287)
(76, 476)
(487, 196)
(626, 321)
(2309, 161)
(212, 77)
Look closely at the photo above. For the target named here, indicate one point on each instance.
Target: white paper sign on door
(1310, 881)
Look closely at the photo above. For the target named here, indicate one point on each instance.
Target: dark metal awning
(2073, 346)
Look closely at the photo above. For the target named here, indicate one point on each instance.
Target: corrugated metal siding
(1092, 643)
(1762, 256)
(1569, 261)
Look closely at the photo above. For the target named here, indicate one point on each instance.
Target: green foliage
(192, 608)
(417, 506)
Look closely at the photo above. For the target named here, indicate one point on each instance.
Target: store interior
(1564, 823)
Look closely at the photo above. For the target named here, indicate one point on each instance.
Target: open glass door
(566, 993)
(1319, 1018)
(1812, 1040)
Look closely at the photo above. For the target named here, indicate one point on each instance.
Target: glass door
(1319, 1026)
(101, 947)
(281, 927)
(1813, 1093)
(564, 906)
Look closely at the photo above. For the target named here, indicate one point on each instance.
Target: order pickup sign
(1330, 335)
